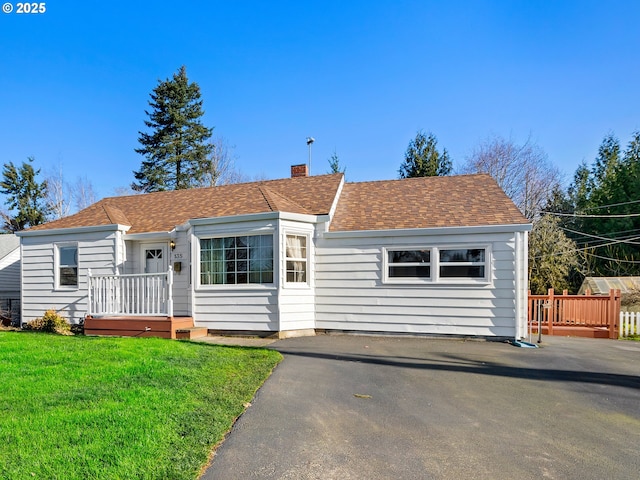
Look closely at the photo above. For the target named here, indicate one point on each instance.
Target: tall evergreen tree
(176, 150)
(26, 197)
(605, 201)
(422, 158)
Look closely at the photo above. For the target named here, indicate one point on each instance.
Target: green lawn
(119, 408)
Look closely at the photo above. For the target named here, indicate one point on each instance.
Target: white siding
(228, 307)
(10, 275)
(181, 279)
(351, 295)
(297, 302)
(96, 251)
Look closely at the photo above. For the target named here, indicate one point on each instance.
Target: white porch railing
(629, 324)
(147, 294)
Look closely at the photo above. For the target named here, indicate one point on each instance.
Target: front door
(155, 260)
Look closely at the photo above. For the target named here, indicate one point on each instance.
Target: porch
(136, 305)
(592, 316)
(127, 326)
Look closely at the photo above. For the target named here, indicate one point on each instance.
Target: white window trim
(56, 267)
(234, 286)
(299, 285)
(435, 265)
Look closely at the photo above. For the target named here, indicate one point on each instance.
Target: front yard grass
(116, 408)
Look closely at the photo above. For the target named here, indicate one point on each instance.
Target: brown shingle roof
(465, 200)
(162, 211)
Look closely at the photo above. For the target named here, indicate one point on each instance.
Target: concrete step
(191, 333)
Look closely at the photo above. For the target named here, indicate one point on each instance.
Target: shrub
(631, 298)
(51, 322)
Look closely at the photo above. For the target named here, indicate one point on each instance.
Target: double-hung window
(67, 257)
(296, 259)
(246, 259)
(436, 264)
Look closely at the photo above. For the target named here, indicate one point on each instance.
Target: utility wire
(612, 259)
(613, 205)
(576, 215)
(602, 238)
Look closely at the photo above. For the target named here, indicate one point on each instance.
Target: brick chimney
(299, 170)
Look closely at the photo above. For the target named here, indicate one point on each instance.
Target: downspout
(278, 259)
(518, 286)
(521, 257)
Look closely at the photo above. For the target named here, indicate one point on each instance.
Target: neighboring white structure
(10, 277)
(436, 255)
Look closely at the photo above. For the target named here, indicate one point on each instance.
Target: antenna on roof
(310, 140)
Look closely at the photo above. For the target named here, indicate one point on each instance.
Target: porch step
(163, 327)
(191, 333)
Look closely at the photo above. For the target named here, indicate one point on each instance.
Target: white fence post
(89, 296)
(170, 292)
(629, 324)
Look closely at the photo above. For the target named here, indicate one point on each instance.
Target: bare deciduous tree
(221, 169)
(83, 193)
(61, 195)
(58, 195)
(524, 172)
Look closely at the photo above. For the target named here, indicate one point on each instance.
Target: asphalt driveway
(359, 407)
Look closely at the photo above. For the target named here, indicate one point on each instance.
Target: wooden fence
(590, 311)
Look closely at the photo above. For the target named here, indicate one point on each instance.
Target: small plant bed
(75, 407)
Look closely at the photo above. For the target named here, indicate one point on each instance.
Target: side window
(455, 264)
(409, 264)
(463, 263)
(296, 253)
(67, 265)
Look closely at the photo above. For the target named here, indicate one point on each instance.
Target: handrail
(595, 311)
(144, 294)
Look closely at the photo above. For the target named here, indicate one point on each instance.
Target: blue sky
(361, 77)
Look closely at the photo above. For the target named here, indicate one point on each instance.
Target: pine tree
(334, 164)
(176, 150)
(604, 199)
(422, 158)
(25, 196)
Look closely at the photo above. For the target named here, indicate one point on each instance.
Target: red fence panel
(595, 311)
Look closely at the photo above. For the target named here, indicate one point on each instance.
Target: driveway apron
(364, 407)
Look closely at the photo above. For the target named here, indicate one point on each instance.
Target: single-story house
(435, 255)
(9, 278)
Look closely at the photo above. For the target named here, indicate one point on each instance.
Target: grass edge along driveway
(106, 408)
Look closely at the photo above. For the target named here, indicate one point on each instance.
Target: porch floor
(123, 326)
(574, 331)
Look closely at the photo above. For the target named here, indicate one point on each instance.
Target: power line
(613, 205)
(576, 215)
(603, 238)
(583, 236)
(612, 259)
